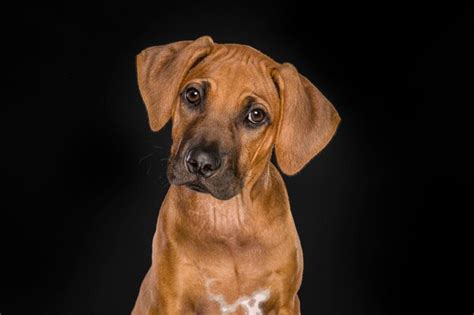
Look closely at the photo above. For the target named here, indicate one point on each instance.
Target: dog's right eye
(193, 96)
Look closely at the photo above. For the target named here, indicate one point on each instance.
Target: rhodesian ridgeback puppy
(225, 241)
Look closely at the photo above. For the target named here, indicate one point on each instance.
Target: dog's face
(227, 104)
(223, 124)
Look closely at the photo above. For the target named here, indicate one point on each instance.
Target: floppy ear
(308, 120)
(161, 69)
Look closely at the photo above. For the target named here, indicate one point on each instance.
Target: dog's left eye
(193, 96)
(256, 116)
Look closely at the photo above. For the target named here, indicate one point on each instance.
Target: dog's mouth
(224, 186)
(196, 186)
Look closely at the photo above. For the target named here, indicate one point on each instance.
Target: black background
(382, 212)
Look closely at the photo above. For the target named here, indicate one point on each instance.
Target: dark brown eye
(193, 96)
(256, 116)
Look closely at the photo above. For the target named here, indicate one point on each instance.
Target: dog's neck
(238, 216)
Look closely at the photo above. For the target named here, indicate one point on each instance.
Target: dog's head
(230, 105)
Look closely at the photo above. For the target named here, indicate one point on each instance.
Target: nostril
(191, 164)
(207, 170)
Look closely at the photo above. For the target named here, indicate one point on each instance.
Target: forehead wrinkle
(220, 55)
(232, 52)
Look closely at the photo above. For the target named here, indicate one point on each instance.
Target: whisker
(145, 157)
(159, 147)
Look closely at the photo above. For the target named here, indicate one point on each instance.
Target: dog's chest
(232, 281)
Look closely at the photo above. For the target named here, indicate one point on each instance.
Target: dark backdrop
(382, 212)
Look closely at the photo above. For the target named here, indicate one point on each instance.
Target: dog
(226, 242)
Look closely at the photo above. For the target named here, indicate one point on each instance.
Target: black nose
(202, 162)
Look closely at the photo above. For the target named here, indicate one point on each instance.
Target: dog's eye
(193, 96)
(256, 116)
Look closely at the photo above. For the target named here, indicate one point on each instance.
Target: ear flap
(308, 120)
(160, 71)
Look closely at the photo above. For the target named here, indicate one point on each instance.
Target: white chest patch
(251, 304)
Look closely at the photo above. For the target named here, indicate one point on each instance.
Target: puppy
(225, 241)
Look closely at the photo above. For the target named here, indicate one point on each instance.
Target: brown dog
(225, 241)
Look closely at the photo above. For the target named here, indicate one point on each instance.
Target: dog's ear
(308, 120)
(160, 71)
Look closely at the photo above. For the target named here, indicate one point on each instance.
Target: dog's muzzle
(203, 163)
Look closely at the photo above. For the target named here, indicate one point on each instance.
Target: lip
(197, 187)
